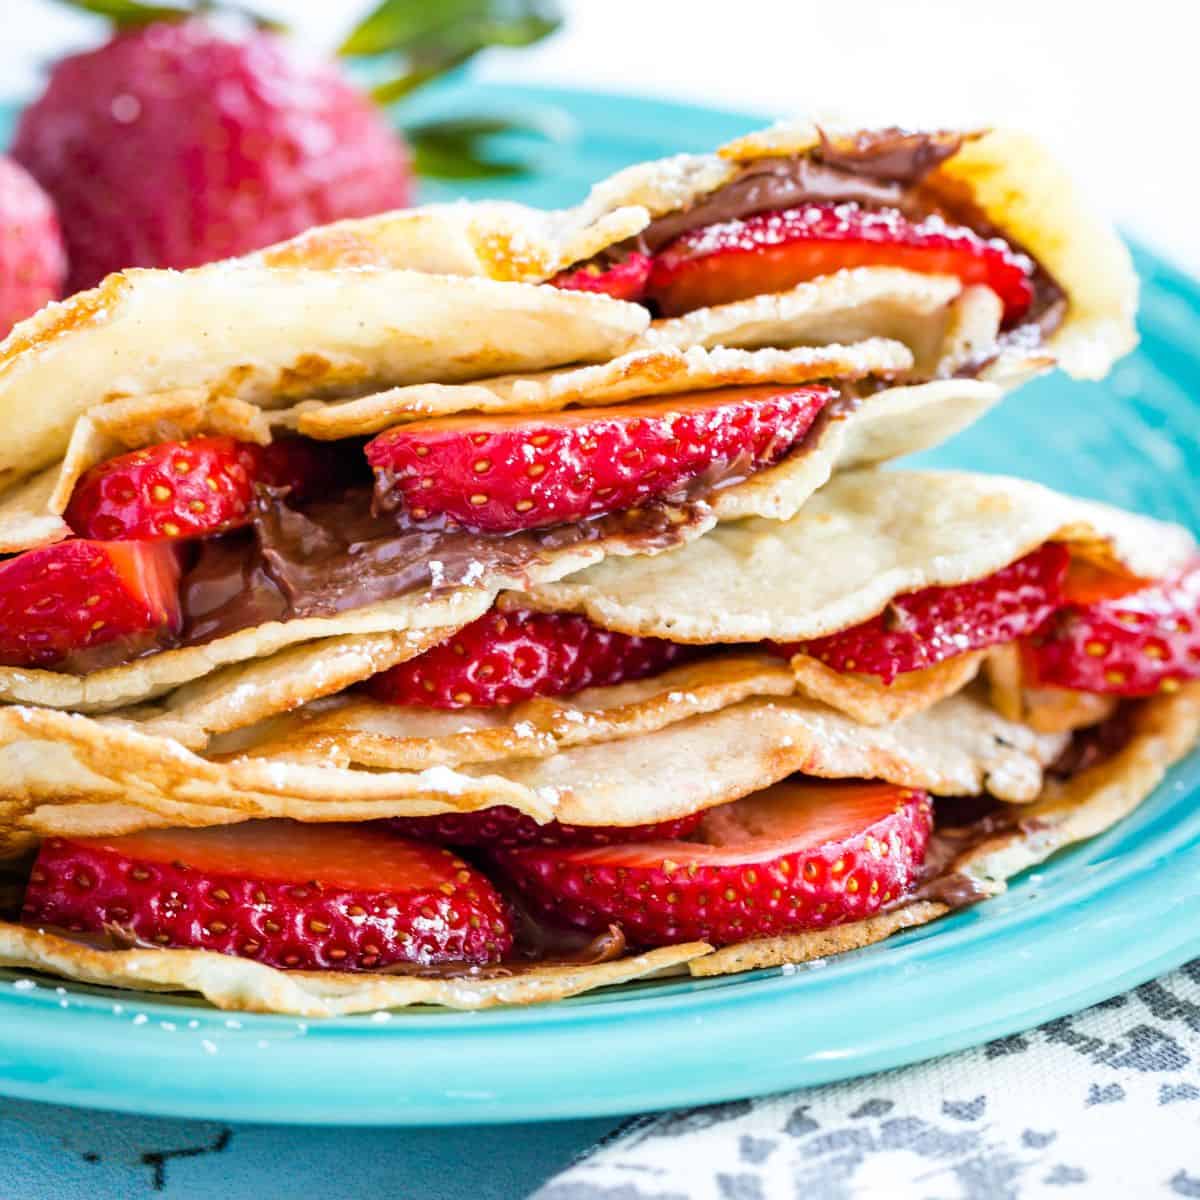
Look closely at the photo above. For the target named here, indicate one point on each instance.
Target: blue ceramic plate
(1097, 919)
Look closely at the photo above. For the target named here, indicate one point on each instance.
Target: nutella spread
(873, 169)
(337, 555)
(354, 549)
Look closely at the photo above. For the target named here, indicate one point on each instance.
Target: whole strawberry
(175, 144)
(33, 262)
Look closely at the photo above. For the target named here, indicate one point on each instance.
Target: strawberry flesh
(501, 474)
(77, 595)
(308, 897)
(775, 251)
(191, 489)
(923, 628)
(624, 280)
(804, 854)
(504, 826)
(505, 657)
(1137, 644)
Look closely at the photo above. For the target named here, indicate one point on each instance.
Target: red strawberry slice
(498, 474)
(505, 657)
(308, 469)
(775, 251)
(344, 897)
(801, 855)
(624, 280)
(1144, 642)
(190, 489)
(76, 595)
(936, 623)
(506, 826)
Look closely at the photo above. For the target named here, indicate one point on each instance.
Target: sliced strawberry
(1140, 643)
(193, 488)
(624, 280)
(775, 251)
(801, 855)
(76, 595)
(345, 897)
(505, 826)
(505, 657)
(498, 474)
(173, 490)
(936, 623)
(307, 469)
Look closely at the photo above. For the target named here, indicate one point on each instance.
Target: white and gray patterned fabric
(1103, 1103)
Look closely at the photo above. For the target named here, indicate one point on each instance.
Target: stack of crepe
(477, 605)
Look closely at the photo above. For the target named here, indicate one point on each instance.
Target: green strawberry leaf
(129, 14)
(427, 40)
(126, 14)
(405, 25)
(460, 148)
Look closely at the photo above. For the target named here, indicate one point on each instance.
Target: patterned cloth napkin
(1105, 1103)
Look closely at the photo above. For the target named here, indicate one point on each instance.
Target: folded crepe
(703, 805)
(378, 636)
(845, 866)
(243, 529)
(800, 234)
(517, 433)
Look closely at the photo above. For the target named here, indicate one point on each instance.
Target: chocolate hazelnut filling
(350, 550)
(884, 169)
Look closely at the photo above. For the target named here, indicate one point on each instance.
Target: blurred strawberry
(175, 144)
(32, 259)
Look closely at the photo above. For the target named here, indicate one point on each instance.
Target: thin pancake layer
(641, 374)
(357, 731)
(242, 985)
(74, 775)
(145, 678)
(865, 538)
(1164, 730)
(271, 336)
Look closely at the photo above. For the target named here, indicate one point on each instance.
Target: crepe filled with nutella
(591, 784)
(200, 529)
(377, 635)
(802, 233)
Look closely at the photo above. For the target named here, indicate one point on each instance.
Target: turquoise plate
(1094, 921)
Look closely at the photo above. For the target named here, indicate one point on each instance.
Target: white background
(1114, 88)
